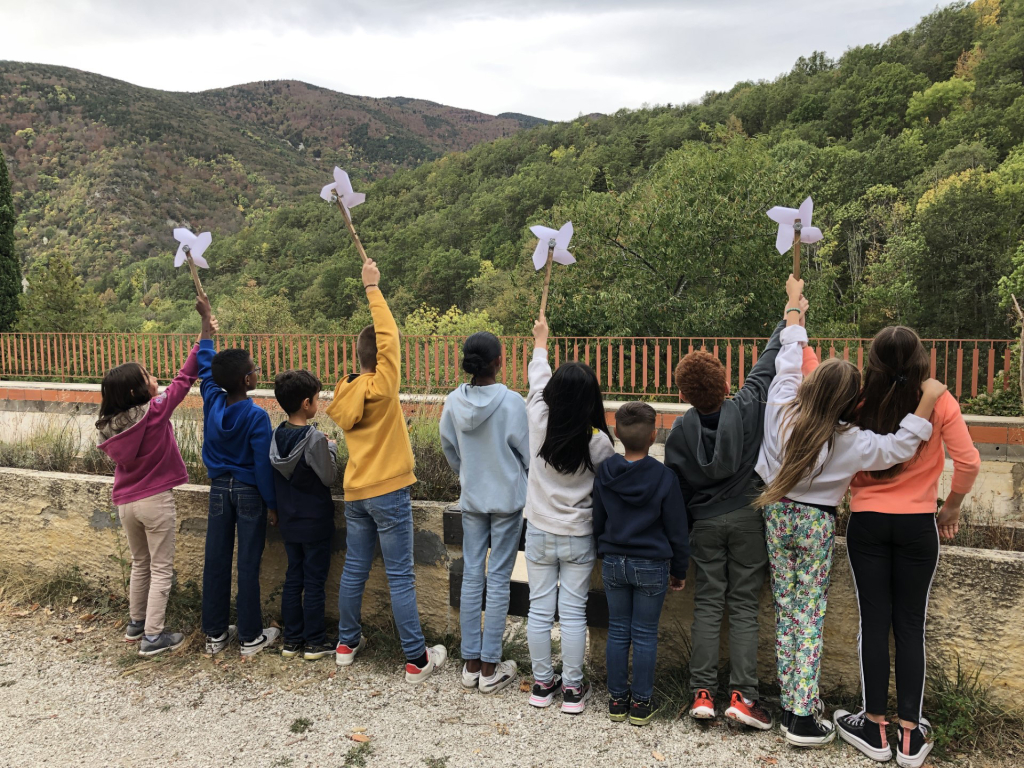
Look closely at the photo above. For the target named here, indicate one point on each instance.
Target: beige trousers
(149, 526)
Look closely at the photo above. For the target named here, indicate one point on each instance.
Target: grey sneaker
(218, 644)
(504, 675)
(165, 641)
(437, 655)
(134, 631)
(269, 637)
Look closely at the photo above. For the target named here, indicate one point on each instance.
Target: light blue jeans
(559, 569)
(390, 517)
(502, 532)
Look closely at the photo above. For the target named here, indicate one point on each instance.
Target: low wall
(50, 519)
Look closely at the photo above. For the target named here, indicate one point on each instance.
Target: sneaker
(543, 693)
(753, 714)
(787, 716)
(618, 709)
(469, 679)
(641, 712)
(134, 631)
(574, 698)
(165, 641)
(345, 654)
(504, 675)
(436, 657)
(913, 746)
(291, 649)
(867, 736)
(218, 644)
(314, 652)
(810, 731)
(703, 706)
(268, 638)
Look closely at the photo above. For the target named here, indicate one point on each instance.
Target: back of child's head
(575, 410)
(366, 348)
(700, 377)
(634, 424)
(123, 388)
(292, 388)
(229, 369)
(480, 354)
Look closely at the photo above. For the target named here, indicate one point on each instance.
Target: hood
(471, 406)
(635, 483)
(122, 434)
(718, 452)
(287, 448)
(346, 407)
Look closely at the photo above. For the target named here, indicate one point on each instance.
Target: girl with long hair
(569, 439)
(810, 454)
(893, 544)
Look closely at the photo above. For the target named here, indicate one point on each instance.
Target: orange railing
(625, 366)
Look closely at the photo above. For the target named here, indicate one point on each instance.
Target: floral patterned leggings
(800, 541)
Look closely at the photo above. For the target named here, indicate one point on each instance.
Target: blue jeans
(390, 517)
(559, 569)
(234, 505)
(303, 597)
(635, 589)
(501, 532)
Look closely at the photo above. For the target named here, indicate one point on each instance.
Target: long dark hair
(479, 354)
(897, 367)
(575, 410)
(123, 387)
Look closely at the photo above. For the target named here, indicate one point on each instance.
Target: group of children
(749, 487)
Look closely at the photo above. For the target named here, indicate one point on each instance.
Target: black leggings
(893, 559)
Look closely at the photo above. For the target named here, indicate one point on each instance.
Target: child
(377, 480)
(641, 533)
(304, 467)
(893, 543)
(486, 440)
(236, 451)
(135, 425)
(810, 453)
(569, 440)
(713, 449)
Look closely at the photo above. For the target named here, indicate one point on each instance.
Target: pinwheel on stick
(190, 249)
(340, 191)
(556, 243)
(795, 228)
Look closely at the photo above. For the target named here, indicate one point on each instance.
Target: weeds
(357, 756)
(53, 447)
(300, 725)
(435, 762)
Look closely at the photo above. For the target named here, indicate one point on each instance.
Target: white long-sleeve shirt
(854, 450)
(556, 502)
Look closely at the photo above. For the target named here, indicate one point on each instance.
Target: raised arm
(538, 372)
(388, 374)
(761, 375)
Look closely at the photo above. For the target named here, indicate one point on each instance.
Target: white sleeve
(875, 452)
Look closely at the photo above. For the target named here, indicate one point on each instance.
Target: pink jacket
(146, 453)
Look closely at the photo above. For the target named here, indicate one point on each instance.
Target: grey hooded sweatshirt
(486, 440)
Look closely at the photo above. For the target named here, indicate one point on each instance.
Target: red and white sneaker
(752, 714)
(703, 706)
(345, 655)
(436, 657)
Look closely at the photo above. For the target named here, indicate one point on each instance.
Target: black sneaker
(292, 648)
(165, 641)
(618, 709)
(787, 716)
(810, 731)
(575, 697)
(867, 736)
(913, 746)
(134, 631)
(641, 712)
(543, 693)
(314, 652)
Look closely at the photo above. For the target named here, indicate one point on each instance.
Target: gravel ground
(74, 695)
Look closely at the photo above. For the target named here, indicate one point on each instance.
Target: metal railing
(625, 366)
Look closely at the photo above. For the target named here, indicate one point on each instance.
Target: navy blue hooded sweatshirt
(639, 512)
(304, 470)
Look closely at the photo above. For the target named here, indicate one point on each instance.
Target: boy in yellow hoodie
(377, 481)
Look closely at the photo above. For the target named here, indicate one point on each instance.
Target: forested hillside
(912, 150)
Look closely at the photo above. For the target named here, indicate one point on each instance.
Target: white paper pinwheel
(785, 217)
(343, 187)
(196, 245)
(562, 237)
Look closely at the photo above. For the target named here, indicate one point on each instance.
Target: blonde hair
(825, 404)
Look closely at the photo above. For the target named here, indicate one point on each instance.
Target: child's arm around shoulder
(321, 455)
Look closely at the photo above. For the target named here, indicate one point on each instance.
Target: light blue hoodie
(486, 440)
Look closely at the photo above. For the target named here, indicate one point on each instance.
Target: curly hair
(700, 377)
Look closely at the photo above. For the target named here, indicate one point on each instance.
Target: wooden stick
(351, 229)
(547, 278)
(195, 274)
(797, 226)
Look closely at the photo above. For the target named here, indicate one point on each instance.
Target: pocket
(651, 579)
(250, 506)
(582, 549)
(216, 503)
(536, 545)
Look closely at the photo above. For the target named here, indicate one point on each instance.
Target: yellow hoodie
(367, 408)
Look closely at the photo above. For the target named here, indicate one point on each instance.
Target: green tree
(56, 301)
(246, 310)
(10, 269)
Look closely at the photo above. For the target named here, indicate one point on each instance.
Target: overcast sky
(549, 58)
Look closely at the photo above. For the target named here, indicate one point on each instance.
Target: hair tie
(901, 379)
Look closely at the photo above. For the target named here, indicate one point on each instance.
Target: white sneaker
(504, 675)
(469, 679)
(217, 644)
(344, 655)
(269, 637)
(436, 657)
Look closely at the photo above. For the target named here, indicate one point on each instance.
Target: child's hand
(272, 516)
(794, 290)
(371, 275)
(332, 442)
(676, 585)
(203, 307)
(540, 333)
(804, 306)
(214, 324)
(933, 388)
(948, 521)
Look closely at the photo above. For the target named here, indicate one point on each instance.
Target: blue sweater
(639, 512)
(236, 438)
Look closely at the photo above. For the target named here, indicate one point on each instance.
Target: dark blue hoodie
(304, 469)
(236, 438)
(639, 512)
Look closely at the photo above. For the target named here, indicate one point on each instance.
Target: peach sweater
(916, 488)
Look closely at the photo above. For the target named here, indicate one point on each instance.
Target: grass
(53, 447)
(300, 725)
(358, 755)
(435, 762)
